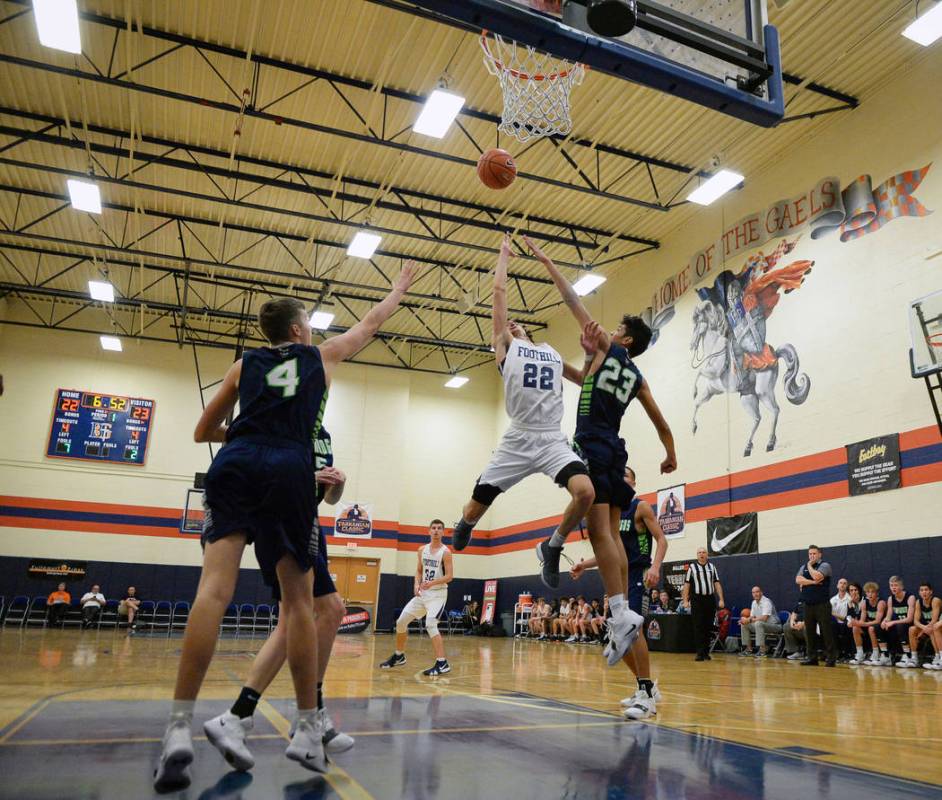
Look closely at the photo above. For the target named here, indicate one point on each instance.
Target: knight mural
(729, 347)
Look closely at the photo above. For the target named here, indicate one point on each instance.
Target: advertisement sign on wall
(670, 511)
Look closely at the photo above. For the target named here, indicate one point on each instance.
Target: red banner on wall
(489, 606)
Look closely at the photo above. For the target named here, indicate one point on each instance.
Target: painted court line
(122, 740)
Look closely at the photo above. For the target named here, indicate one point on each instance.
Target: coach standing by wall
(814, 578)
(699, 586)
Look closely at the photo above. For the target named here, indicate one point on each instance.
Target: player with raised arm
(533, 397)
(611, 381)
(228, 731)
(259, 490)
(637, 527)
(433, 572)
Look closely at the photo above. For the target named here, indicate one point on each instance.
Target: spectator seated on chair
(664, 603)
(129, 607)
(538, 616)
(470, 615)
(560, 628)
(597, 623)
(840, 604)
(761, 620)
(575, 614)
(57, 605)
(867, 626)
(893, 633)
(794, 633)
(92, 604)
(927, 626)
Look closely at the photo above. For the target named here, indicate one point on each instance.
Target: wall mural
(728, 345)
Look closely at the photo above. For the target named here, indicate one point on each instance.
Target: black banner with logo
(873, 465)
(356, 620)
(730, 536)
(674, 575)
(45, 569)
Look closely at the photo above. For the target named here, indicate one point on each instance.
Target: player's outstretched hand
(652, 577)
(536, 250)
(590, 338)
(406, 276)
(576, 570)
(669, 464)
(505, 249)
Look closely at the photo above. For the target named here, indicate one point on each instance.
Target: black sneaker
(395, 660)
(438, 668)
(461, 535)
(549, 563)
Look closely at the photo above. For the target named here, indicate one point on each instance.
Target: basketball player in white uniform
(533, 397)
(432, 576)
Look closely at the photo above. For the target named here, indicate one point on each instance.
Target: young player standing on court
(228, 731)
(533, 397)
(432, 576)
(611, 382)
(258, 490)
(638, 526)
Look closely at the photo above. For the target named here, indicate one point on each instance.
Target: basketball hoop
(935, 340)
(536, 88)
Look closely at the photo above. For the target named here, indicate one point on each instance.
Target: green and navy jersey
(899, 609)
(323, 457)
(606, 394)
(282, 395)
(635, 538)
(925, 612)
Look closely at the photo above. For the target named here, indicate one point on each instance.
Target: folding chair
(179, 614)
(163, 614)
(145, 614)
(109, 614)
(37, 612)
(246, 617)
(779, 637)
(262, 618)
(230, 620)
(16, 613)
(455, 619)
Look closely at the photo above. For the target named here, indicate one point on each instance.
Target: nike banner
(730, 536)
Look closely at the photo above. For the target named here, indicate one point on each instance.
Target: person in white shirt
(763, 619)
(92, 604)
(840, 605)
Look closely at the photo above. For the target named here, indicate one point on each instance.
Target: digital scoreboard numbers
(90, 426)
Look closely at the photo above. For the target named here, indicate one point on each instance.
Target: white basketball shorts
(522, 453)
(427, 603)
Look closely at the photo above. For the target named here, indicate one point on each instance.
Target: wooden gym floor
(81, 715)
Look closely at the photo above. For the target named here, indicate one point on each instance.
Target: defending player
(228, 731)
(611, 382)
(432, 575)
(533, 397)
(258, 490)
(638, 525)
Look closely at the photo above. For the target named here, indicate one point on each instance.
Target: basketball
(496, 169)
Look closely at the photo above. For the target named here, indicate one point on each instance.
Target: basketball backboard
(718, 53)
(925, 331)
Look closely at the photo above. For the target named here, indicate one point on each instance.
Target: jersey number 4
(532, 374)
(617, 379)
(284, 377)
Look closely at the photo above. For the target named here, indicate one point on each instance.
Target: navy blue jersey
(606, 394)
(282, 394)
(925, 612)
(323, 457)
(899, 609)
(872, 610)
(635, 539)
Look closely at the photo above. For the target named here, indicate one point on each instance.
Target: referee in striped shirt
(698, 595)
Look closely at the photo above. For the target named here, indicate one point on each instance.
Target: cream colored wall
(848, 322)
(403, 439)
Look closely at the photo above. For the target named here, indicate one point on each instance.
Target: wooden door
(363, 582)
(339, 571)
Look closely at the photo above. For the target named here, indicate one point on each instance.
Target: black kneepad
(484, 493)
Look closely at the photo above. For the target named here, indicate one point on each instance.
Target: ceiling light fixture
(588, 283)
(101, 290)
(438, 113)
(111, 343)
(456, 382)
(714, 188)
(322, 319)
(57, 24)
(364, 245)
(926, 28)
(84, 196)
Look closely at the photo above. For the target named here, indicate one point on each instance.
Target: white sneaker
(642, 706)
(173, 769)
(571, 640)
(307, 745)
(885, 660)
(907, 662)
(622, 632)
(334, 740)
(227, 734)
(796, 656)
(628, 701)
(936, 663)
(856, 661)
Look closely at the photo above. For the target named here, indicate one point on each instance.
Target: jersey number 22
(546, 376)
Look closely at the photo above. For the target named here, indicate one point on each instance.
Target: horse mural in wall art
(728, 344)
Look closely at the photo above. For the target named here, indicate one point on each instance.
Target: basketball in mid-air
(496, 169)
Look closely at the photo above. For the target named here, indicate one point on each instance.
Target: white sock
(182, 711)
(617, 603)
(860, 654)
(399, 653)
(557, 539)
(306, 715)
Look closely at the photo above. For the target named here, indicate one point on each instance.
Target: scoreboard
(100, 427)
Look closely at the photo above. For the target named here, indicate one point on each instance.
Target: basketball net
(536, 88)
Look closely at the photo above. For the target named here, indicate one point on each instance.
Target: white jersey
(533, 386)
(433, 568)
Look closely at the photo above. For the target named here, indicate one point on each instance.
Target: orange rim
(524, 76)
(935, 340)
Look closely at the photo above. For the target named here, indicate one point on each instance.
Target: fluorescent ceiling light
(456, 382)
(322, 319)
(57, 24)
(715, 187)
(588, 283)
(85, 196)
(101, 290)
(364, 245)
(111, 343)
(438, 113)
(927, 28)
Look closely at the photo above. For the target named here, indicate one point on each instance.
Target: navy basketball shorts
(267, 493)
(606, 458)
(638, 598)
